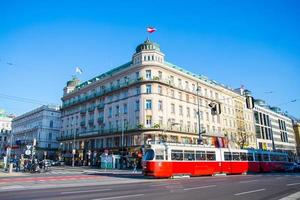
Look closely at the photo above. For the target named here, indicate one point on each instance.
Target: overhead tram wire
(285, 103)
(24, 100)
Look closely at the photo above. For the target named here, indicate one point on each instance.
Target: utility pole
(73, 150)
(199, 120)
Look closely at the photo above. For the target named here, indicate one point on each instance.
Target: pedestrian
(17, 164)
(134, 166)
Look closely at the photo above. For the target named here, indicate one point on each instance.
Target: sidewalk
(86, 169)
(4, 174)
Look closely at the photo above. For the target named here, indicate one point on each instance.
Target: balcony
(83, 111)
(100, 120)
(100, 106)
(91, 109)
(82, 123)
(91, 121)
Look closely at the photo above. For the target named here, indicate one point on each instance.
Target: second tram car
(168, 159)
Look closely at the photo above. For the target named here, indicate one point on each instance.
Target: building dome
(147, 45)
(261, 102)
(75, 81)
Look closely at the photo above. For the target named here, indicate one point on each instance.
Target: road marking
(84, 191)
(248, 192)
(294, 196)
(291, 184)
(195, 188)
(164, 184)
(120, 197)
(12, 187)
(218, 179)
(248, 181)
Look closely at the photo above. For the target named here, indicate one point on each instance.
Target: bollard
(11, 167)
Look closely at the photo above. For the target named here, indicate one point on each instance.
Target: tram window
(243, 156)
(211, 155)
(236, 156)
(250, 157)
(159, 154)
(258, 157)
(177, 155)
(189, 155)
(200, 155)
(227, 156)
(149, 155)
(273, 157)
(266, 157)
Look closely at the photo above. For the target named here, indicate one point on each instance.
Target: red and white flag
(151, 29)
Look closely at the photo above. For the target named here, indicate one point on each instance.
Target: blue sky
(251, 43)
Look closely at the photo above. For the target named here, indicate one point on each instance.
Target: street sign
(27, 152)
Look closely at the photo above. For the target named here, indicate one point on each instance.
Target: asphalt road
(260, 186)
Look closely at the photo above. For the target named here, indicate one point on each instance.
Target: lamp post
(199, 120)
(73, 150)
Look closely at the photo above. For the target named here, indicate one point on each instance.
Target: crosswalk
(63, 172)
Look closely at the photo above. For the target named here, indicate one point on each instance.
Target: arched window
(152, 57)
(148, 57)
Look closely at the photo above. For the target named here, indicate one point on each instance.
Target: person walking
(134, 166)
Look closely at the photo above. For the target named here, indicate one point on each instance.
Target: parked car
(58, 163)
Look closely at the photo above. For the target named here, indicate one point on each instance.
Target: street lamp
(73, 150)
(199, 120)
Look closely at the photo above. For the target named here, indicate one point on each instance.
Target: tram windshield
(149, 155)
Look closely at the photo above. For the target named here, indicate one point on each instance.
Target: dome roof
(147, 45)
(75, 81)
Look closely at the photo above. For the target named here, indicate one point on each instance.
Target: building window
(50, 136)
(172, 93)
(180, 110)
(179, 83)
(172, 80)
(137, 105)
(188, 113)
(110, 112)
(148, 89)
(160, 75)
(138, 89)
(148, 104)
(148, 121)
(117, 110)
(148, 74)
(160, 121)
(195, 113)
(173, 108)
(137, 75)
(180, 95)
(125, 108)
(159, 89)
(187, 98)
(51, 124)
(160, 105)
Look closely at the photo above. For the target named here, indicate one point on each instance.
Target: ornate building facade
(149, 98)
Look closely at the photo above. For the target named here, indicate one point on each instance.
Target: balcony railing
(91, 109)
(82, 123)
(100, 120)
(100, 106)
(91, 121)
(117, 87)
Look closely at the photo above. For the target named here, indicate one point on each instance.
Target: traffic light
(249, 102)
(215, 108)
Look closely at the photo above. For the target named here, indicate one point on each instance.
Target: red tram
(168, 159)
